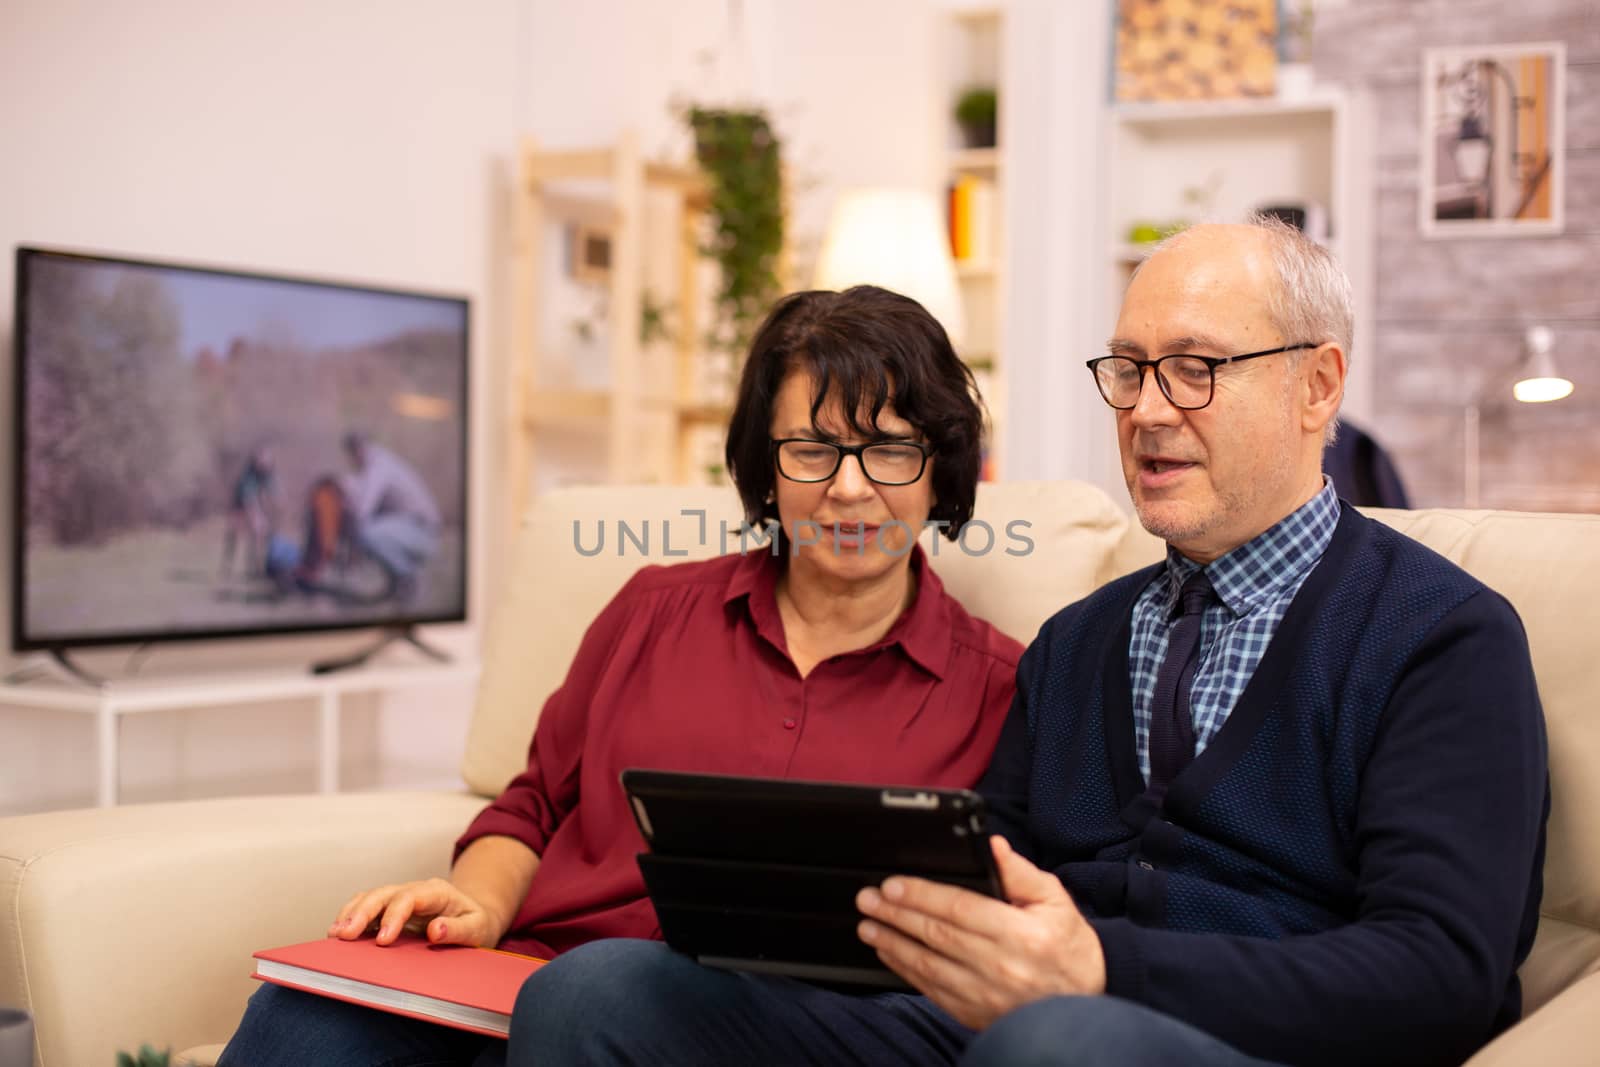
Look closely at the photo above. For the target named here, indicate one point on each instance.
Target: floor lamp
(1535, 380)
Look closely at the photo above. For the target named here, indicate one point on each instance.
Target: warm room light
(894, 238)
(1539, 382)
(1534, 379)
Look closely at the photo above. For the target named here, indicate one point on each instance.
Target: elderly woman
(839, 657)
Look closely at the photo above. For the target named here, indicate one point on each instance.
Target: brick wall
(1449, 312)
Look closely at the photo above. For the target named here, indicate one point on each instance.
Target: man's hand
(979, 958)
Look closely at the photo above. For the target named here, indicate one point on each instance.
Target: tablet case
(761, 874)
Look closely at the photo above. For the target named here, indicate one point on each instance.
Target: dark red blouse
(686, 670)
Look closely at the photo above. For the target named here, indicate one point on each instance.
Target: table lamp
(893, 238)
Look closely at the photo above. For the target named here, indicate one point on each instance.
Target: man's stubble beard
(1226, 503)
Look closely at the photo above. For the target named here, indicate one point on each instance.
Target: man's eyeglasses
(800, 459)
(1186, 381)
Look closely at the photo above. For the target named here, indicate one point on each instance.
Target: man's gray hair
(1312, 301)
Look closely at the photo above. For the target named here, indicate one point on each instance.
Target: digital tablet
(761, 874)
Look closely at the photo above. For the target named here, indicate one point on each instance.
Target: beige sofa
(136, 924)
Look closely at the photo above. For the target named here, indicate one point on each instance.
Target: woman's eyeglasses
(800, 459)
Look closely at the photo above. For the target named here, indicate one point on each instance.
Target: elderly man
(1279, 799)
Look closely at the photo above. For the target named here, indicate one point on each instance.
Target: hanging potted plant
(739, 153)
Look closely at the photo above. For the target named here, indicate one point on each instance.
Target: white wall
(369, 140)
(1055, 86)
(860, 98)
(853, 87)
(344, 139)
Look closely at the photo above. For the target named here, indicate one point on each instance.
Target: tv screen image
(210, 453)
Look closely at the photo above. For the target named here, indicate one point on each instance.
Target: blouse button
(788, 724)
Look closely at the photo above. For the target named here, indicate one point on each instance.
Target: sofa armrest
(1565, 1030)
(122, 926)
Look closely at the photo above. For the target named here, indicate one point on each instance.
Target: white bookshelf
(974, 56)
(1251, 153)
(984, 161)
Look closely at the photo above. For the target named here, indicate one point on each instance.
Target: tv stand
(110, 702)
(65, 663)
(389, 636)
(65, 666)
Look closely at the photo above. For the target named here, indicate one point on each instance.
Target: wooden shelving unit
(638, 220)
(976, 160)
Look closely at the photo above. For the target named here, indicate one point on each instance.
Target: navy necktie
(1171, 727)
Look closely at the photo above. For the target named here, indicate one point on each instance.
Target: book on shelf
(454, 985)
(972, 218)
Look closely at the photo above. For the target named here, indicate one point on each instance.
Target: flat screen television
(213, 453)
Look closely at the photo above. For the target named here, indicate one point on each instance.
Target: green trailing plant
(655, 323)
(739, 153)
(148, 1057)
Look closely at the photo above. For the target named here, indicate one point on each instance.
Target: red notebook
(467, 988)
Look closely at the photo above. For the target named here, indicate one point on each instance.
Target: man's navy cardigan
(1350, 872)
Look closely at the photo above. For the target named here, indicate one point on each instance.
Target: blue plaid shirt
(1254, 583)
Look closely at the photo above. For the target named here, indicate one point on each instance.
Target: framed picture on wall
(1493, 138)
(589, 254)
(1195, 49)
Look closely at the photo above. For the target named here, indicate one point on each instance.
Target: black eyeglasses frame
(1211, 362)
(841, 451)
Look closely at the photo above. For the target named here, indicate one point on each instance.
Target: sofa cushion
(1567, 1031)
(135, 924)
(1545, 565)
(556, 588)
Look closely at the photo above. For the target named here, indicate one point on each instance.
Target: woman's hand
(436, 906)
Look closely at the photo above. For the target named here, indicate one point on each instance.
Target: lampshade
(893, 238)
(1538, 381)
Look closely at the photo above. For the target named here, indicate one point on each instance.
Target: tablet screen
(762, 874)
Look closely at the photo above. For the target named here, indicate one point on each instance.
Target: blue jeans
(288, 1028)
(1098, 1032)
(638, 1002)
